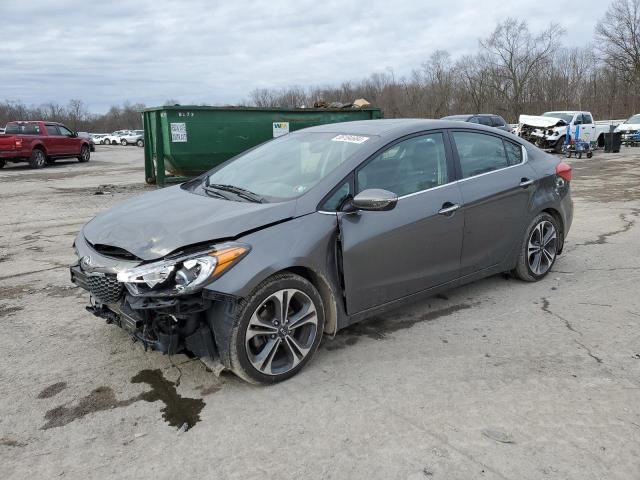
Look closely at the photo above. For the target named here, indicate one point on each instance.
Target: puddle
(177, 410)
(52, 390)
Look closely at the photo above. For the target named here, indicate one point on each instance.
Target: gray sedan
(310, 232)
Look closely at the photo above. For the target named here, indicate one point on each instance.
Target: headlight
(183, 275)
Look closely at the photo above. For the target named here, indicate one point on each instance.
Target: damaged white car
(549, 130)
(629, 128)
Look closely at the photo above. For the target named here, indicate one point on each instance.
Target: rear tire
(107, 142)
(265, 347)
(38, 159)
(85, 154)
(539, 249)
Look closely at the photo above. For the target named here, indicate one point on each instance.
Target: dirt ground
(496, 380)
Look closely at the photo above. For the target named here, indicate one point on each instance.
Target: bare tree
(619, 39)
(514, 55)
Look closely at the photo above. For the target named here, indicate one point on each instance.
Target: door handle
(448, 208)
(525, 182)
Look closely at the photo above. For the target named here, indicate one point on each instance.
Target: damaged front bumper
(540, 137)
(168, 325)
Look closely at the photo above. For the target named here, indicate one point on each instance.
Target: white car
(549, 130)
(115, 137)
(629, 127)
(133, 137)
(98, 138)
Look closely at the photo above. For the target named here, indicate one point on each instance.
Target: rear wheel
(107, 142)
(276, 330)
(85, 154)
(539, 249)
(38, 159)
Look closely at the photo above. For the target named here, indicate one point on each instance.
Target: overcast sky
(216, 52)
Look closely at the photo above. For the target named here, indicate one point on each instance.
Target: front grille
(105, 288)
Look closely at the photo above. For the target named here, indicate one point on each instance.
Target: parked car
(488, 119)
(115, 137)
(549, 130)
(629, 128)
(1, 131)
(41, 143)
(317, 229)
(89, 139)
(98, 138)
(131, 138)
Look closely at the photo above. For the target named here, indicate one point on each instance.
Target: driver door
(387, 255)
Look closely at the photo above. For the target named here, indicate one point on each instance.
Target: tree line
(514, 71)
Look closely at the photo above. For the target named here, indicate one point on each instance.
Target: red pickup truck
(41, 143)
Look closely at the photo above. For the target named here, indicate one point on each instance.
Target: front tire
(276, 330)
(140, 143)
(38, 159)
(124, 143)
(539, 249)
(85, 154)
(107, 142)
(557, 148)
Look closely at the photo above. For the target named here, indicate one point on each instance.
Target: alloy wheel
(281, 332)
(542, 247)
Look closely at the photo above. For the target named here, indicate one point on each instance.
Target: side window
(64, 130)
(498, 121)
(485, 121)
(514, 153)
(474, 120)
(410, 166)
(337, 198)
(586, 119)
(52, 130)
(578, 120)
(479, 153)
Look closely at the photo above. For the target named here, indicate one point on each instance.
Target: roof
(391, 127)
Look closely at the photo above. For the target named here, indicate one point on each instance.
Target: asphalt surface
(495, 380)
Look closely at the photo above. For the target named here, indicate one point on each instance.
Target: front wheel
(539, 249)
(276, 330)
(107, 142)
(124, 143)
(140, 143)
(85, 154)
(557, 148)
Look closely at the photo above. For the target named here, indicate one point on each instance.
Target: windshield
(567, 117)
(288, 166)
(634, 120)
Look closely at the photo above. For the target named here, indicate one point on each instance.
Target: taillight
(564, 170)
(18, 143)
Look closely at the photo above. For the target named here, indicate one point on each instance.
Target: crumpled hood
(538, 121)
(154, 224)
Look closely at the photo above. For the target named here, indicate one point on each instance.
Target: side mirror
(374, 200)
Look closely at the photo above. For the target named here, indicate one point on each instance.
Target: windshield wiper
(239, 191)
(214, 191)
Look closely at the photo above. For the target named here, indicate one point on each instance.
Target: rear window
(23, 128)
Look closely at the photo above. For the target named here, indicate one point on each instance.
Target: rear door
(53, 142)
(389, 255)
(496, 184)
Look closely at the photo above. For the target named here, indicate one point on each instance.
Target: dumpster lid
(253, 109)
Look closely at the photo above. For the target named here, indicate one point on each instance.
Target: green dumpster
(186, 141)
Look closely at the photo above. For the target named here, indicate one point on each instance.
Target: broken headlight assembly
(183, 275)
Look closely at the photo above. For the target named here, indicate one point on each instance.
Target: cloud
(216, 52)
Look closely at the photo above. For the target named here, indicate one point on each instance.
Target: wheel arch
(326, 294)
(558, 218)
(40, 146)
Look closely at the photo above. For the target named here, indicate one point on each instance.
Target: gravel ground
(496, 380)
